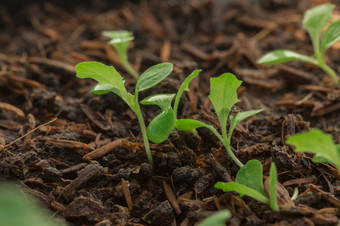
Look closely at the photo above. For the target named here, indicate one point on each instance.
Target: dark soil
(49, 120)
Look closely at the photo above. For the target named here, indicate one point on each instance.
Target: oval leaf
(250, 175)
(331, 35)
(217, 219)
(241, 189)
(188, 124)
(223, 95)
(161, 100)
(161, 126)
(272, 187)
(281, 56)
(119, 36)
(153, 76)
(238, 117)
(315, 19)
(316, 142)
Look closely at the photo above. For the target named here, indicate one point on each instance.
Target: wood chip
(12, 109)
(171, 197)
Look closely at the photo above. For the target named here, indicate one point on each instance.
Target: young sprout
(314, 21)
(109, 80)
(217, 219)
(162, 125)
(249, 182)
(319, 143)
(223, 95)
(120, 40)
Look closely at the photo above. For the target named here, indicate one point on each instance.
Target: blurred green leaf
(282, 56)
(217, 219)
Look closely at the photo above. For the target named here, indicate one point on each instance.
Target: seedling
(162, 125)
(217, 219)
(109, 80)
(319, 143)
(223, 96)
(314, 21)
(120, 40)
(249, 182)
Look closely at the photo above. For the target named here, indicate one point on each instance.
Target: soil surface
(50, 122)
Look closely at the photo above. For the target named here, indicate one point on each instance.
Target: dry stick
(171, 197)
(127, 195)
(100, 152)
(23, 136)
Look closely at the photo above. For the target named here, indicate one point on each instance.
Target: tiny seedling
(217, 219)
(120, 40)
(249, 182)
(314, 21)
(319, 143)
(109, 80)
(162, 125)
(223, 95)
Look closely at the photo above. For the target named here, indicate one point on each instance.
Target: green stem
(144, 134)
(130, 69)
(232, 155)
(226, 144)
(330, 72)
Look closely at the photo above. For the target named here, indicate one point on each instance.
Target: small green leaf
(331, 35)
(281, 56)
(153, 76)
(161, 126)
(241, 189)
(119, 36)
(315, 20)
(189, 124)
(223, 95)
(238, 117)
(161, 100)
(217, 219)
(107, 77)
(316, 142)
(250, 175)
(184, 87)
(272, 187)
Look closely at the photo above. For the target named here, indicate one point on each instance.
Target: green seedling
(120, 40)
(109, 80)
(162, 125)
(249, 182)
(223, 95)
(217, 219)
(319, 143)
(314, 21)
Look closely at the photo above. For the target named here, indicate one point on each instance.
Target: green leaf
(238, 117)
(217, 219)
(241, 189)
(161, 100)
(119, 36)
(161, 126)
(317, 142)
(250, 175)
(281, 56)
(107, 77)
(223, 95)
(189, 124)
(315, 20)
(184, 87)
(153, 76)
(272, 187)
(331, 35)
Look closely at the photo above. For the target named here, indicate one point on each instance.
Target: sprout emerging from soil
(314, 21)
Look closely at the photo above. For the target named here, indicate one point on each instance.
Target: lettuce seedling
(319, 143)
(217, 219)
(314, 21)
(162, 125)
(223, 95)
(109, 80)
(249, 182)
(120, 40)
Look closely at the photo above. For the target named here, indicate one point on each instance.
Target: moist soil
(50, 122)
